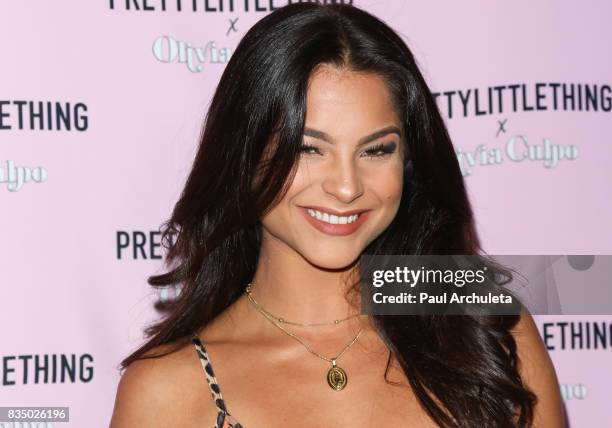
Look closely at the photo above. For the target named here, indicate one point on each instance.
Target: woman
(323, 143)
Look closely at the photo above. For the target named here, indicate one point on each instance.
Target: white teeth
(332, 219)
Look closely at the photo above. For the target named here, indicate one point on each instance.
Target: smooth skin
(267, 378)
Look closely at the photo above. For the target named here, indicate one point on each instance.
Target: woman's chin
(334, 261)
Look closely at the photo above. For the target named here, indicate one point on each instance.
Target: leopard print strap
(224, 418)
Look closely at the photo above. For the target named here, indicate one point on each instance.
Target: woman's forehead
(340, 101)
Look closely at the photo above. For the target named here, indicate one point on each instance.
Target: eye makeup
(379, 150)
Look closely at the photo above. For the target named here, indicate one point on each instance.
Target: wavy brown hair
(463, 369)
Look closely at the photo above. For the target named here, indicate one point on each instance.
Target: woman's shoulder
(538, 373)
(166, 387)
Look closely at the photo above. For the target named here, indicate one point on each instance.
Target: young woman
(323, 143)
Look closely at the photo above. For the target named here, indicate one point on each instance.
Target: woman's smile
(331, 224)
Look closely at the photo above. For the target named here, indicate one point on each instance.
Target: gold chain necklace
(336, 376)
(284, 321)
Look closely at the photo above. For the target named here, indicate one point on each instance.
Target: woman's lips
(335, 229)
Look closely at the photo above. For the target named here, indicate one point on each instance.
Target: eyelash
(386, 149)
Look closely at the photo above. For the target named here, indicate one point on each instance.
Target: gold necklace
(284, 321)
(336, 376)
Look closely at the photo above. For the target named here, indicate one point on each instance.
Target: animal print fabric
(224, 418)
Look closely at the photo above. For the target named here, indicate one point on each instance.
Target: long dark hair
(463, 369)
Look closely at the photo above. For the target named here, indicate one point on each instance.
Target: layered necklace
(336, 376)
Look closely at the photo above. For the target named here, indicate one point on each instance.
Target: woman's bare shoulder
(167, 390)
(538, 373)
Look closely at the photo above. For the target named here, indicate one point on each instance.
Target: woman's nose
(343, 180)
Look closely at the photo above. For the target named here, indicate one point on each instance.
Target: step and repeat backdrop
(101, 104)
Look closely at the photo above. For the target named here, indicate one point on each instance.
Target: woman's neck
(288, 286)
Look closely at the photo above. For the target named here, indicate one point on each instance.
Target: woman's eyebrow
(320, 135)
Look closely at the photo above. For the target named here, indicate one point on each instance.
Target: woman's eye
(381, 150)
(308, 149)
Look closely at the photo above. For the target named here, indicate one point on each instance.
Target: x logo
(232, 22)
(501, 127)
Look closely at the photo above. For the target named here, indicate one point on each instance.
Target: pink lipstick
(336, 229)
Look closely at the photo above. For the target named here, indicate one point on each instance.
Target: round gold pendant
(336, 378)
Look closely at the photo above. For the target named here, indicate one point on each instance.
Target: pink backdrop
(135, 85)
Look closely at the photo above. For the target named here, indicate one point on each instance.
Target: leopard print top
(224, 418)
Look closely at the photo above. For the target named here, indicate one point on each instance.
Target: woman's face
(354, 162)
